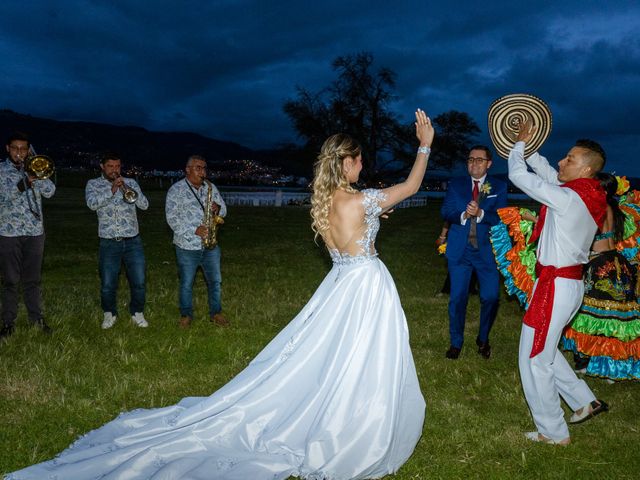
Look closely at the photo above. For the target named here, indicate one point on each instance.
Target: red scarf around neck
(593, 196)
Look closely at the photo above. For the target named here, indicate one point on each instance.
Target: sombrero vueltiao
(508, 112)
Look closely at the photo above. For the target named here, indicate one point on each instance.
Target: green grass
(53, 389)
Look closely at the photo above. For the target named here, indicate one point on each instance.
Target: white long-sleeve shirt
(569, 228)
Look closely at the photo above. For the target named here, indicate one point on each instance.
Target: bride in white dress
(334, 396)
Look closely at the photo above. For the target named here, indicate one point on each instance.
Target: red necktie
(473, 238)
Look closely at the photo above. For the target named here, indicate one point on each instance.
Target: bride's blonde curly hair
(329, 177)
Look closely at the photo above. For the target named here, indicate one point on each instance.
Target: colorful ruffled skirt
(607, 326)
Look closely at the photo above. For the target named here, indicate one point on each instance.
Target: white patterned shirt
(16, 215)
(116, 218)
(185, 213)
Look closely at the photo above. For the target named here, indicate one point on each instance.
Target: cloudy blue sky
(224, 68)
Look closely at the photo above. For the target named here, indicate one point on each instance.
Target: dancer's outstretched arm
(397, 193)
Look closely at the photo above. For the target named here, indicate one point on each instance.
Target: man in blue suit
(470, 206)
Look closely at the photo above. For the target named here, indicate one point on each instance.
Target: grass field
(53, 389)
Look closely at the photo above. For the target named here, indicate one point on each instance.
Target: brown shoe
(185, 322)
(219, 320)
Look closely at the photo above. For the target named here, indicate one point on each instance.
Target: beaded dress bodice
(372, 210)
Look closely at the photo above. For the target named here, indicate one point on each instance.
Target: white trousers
(548, 374)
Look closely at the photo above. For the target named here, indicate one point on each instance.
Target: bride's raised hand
(424, 129)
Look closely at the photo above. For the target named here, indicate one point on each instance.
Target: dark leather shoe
(42, 325)
(484, 348)
(7, 331)
(185, 322)
(453, 353)
(220, 320)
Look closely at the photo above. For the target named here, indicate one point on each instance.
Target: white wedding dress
(334, 395)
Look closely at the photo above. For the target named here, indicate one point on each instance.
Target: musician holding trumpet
(115, 199)
(21, 232)
(194, 209)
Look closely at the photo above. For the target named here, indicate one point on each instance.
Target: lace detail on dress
(171, 419)
(225, 464)
(290, 346)
(339, 258)
(372, 211)
(322, 476)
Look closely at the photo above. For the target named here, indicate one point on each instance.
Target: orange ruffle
(596, 345)
(511, 217)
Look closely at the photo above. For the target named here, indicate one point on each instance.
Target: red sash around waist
(538, 315)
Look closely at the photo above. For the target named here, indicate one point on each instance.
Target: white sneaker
(109, 320)
(139, 320)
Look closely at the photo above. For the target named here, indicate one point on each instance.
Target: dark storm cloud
(225, 68)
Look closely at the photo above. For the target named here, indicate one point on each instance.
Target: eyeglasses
(477, 160)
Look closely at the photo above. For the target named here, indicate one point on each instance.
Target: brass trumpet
(129, 195)
(39, 166)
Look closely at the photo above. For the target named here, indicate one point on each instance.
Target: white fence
(281, 198)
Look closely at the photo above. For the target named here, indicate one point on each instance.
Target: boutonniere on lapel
(485, 190)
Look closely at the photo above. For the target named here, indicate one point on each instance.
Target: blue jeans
(188, 263)
(114, 253)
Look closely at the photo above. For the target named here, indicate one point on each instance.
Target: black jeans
(21, 262)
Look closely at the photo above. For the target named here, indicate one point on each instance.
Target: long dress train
(334, 395)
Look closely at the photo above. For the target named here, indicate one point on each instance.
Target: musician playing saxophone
(21, 235)
(116, 199)
(186, 204)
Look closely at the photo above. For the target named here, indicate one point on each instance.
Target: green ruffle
(629, 226)
(528, 254)
(590, 325)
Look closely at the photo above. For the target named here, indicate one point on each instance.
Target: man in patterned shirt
(185, 207)
(21, 235)
(119, 238)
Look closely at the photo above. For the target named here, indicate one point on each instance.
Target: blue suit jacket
(455, 202)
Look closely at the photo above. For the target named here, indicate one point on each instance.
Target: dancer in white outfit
(335, 395)
(574, 205)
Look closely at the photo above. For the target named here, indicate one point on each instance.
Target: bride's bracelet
(425, 150)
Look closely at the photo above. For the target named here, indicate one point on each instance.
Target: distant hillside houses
(236, 172)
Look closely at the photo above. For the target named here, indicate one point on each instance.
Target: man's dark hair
(596, 155)
(484, 148)
(18, 136)
(108, 156)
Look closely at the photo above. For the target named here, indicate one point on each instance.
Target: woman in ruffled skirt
(605, 333)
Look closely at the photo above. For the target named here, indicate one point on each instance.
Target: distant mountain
(80, 143)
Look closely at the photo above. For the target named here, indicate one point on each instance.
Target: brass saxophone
(211, 221)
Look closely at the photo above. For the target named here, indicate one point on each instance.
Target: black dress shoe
(452, 353)
(484, 348)
(6, 331)
(42, 325)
